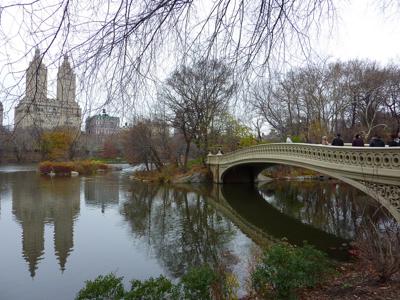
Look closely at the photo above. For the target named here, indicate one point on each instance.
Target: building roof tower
(66, 82)
(36, 79)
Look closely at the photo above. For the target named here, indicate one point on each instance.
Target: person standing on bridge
(337, 141)
(324, 140)
(376, 141)
(358, 141)
(288, 139)
(393, 142)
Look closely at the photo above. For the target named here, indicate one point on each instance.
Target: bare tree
(119, 46)
(392, 95)
(323, 99)
(195, 95)
(145, 143)
(257, 124)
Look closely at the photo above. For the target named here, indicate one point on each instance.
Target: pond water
(57, 233)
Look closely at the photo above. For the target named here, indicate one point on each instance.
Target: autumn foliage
(56, 144)
(85, 167)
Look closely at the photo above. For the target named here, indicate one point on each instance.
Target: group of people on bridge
(358, 141)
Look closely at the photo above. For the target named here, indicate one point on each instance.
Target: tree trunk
(185, 159)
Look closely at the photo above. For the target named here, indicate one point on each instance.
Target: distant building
(157, 127)
(36, 110)
(102, 124)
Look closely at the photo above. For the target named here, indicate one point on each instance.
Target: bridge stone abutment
(375, 171)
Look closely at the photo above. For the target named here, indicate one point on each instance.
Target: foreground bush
(198, 284)
(152, 289)
(85, 167)
(285, 268)
(282, 270)
(379, 247)
(103, 287)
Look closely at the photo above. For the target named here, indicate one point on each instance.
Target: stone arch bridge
(375, 171)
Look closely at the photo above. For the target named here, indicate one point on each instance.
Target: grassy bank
(170, 173)
(84, 167)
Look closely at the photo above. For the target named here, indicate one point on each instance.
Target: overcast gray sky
(362, 31)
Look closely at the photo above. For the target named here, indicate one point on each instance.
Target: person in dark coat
(337, 141)
(358, 141)
(376, 141)
(393, 142)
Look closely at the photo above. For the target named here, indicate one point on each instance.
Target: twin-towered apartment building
(36, 110)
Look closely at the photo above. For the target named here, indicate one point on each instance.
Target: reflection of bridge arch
(375, 171)
(255, 217)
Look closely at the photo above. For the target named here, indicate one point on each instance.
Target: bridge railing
(366, 157)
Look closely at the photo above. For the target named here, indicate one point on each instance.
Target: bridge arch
(375, 171)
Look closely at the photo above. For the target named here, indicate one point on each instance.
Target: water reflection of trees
(329, 205)
(37, 201)
(180, 227)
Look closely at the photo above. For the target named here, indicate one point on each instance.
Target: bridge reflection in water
(189, 225)
(325, 214)
(375, 171)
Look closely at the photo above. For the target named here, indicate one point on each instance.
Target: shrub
(231, 285)
(195, 162)
(152, 289)
(198, 282)
(88, 167)
(63, 168)
(103, 287)
(285, 268)
(85, 167)
(59, 168)
(164, 175)
(379, 246)
(45, 167)
(296, 139)
(102, 166)
(205, 283)
(247, 141)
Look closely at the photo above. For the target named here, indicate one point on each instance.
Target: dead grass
(84, 167)
(355, 281)
(168, 173)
